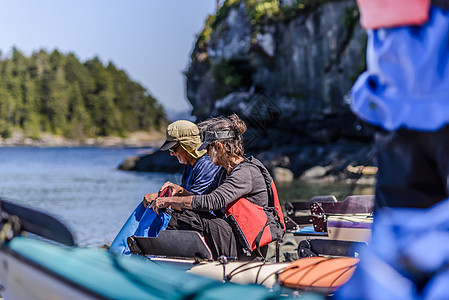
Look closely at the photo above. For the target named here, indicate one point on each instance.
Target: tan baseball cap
(187, 135)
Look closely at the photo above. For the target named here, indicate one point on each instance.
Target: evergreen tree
(55, 92)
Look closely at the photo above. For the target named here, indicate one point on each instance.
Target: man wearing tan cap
(183, 140)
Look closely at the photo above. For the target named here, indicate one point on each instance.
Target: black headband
(211, 136)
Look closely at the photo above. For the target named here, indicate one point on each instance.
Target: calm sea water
(80, 186)
(84, 189)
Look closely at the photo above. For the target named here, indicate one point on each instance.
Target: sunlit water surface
(80, 186)
(83, 188)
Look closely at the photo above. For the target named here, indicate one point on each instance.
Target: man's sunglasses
(174, 148)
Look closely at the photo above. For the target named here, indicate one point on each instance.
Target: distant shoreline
(46, 140)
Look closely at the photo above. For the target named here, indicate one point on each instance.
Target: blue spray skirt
(141, 222)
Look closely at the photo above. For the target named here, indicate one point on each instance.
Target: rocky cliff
(285, 67)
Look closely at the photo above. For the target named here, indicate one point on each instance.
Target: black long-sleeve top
(245, 180)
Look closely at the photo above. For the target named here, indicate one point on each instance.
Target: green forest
(57, 93)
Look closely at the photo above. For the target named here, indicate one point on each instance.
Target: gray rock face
(234, 37)
(282, 175)
(287, 79)
(158, 161)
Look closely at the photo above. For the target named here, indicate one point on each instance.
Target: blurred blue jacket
(407, 79)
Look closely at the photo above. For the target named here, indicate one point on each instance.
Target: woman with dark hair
(246, 212)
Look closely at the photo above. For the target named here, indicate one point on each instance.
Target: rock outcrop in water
(285, 68)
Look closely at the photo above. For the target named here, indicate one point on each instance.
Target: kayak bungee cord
(236, 271)
(345, 268)
(341, 274)
(258, 272)
(275, 273)
(241, 269)
(310, 268)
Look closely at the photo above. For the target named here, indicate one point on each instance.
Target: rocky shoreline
(321, 163)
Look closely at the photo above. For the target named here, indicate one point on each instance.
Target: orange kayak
(321, 274)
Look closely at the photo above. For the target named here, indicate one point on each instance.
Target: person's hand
(176, 190)
(158, 203)
(148, 198)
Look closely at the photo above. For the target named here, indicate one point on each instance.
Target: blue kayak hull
(33, 269)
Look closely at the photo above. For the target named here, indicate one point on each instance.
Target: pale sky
(150, 39)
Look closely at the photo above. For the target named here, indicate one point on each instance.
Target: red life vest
(257, 226)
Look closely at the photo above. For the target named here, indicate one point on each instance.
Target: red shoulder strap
(271, 189)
